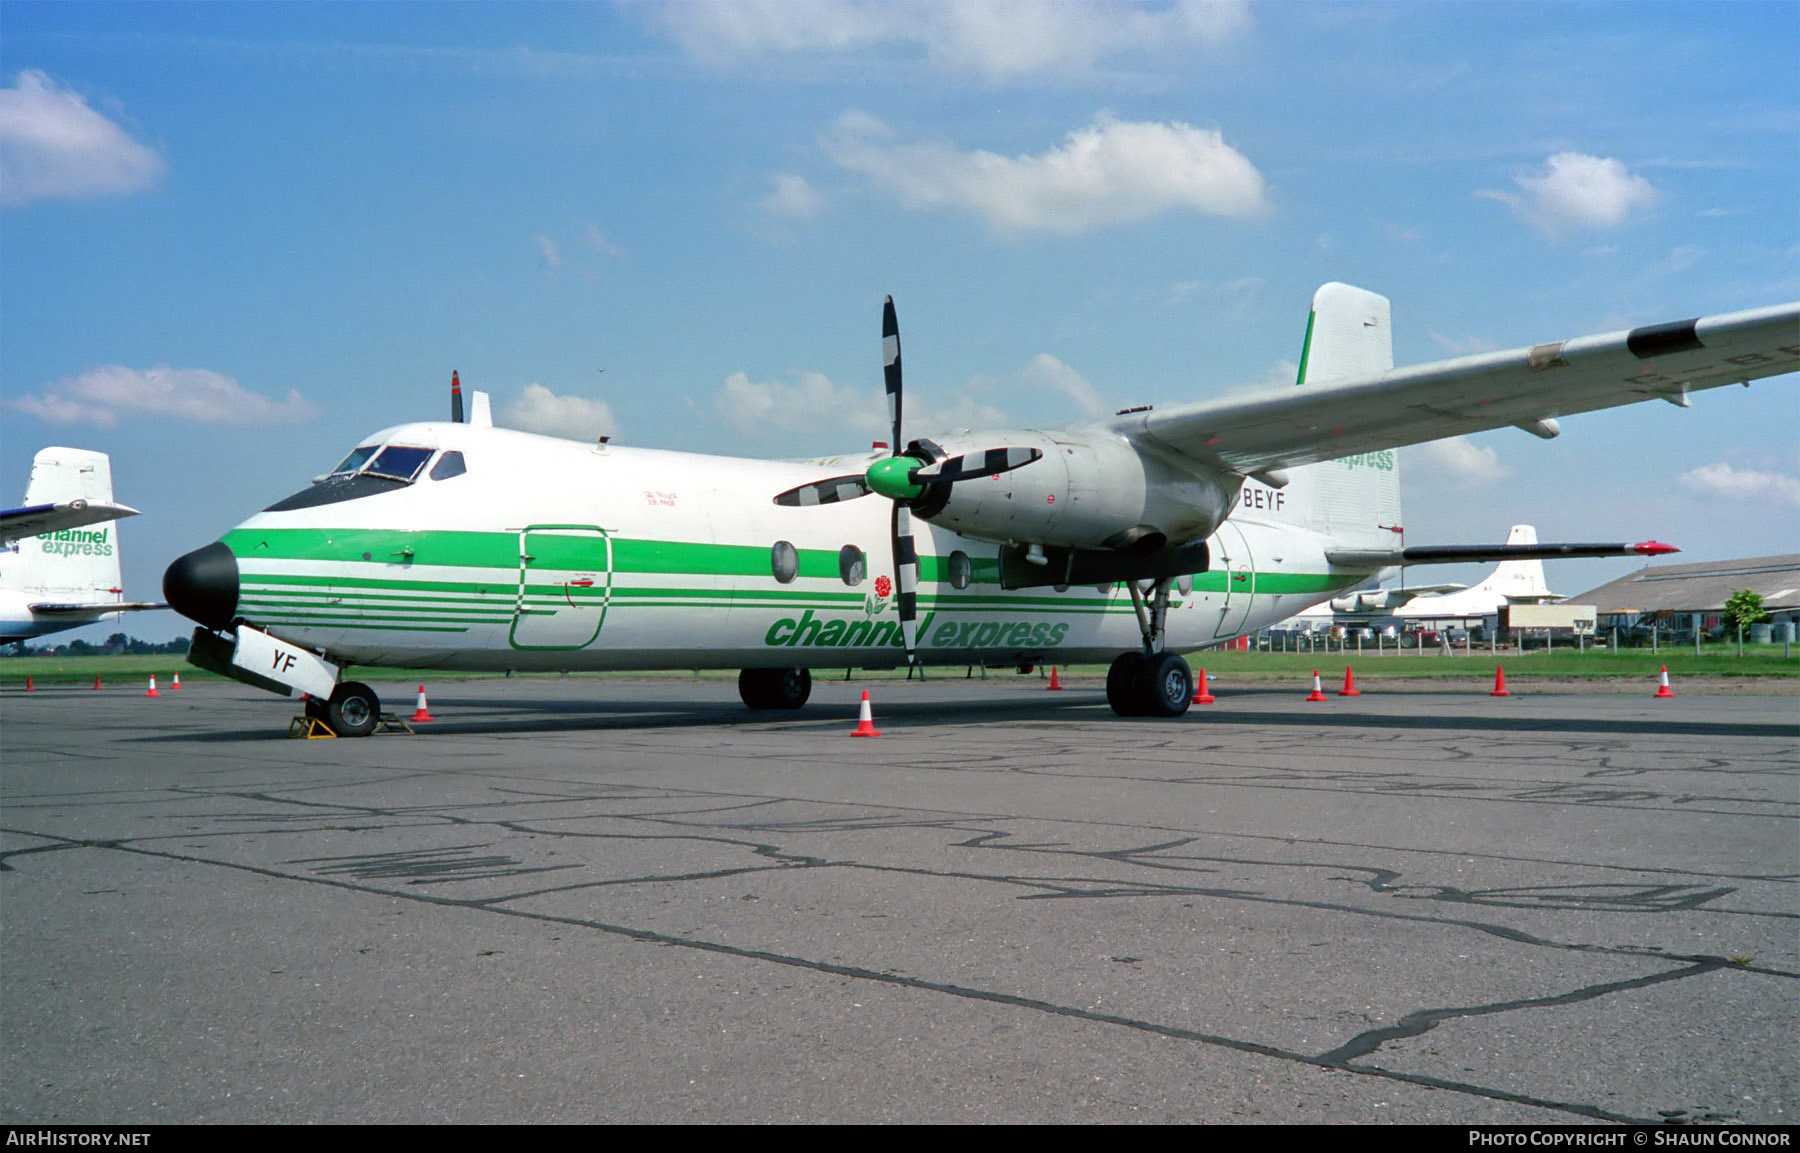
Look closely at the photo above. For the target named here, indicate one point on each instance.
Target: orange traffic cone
(1055, 685)
(97, 680)
(1349, 689)
(29, 686)
(176, 687)
(153, 692)
(865, 725)
(1318, 693)
(1499, 683)
(1662, 688)
(421, 715)
(1202, 691)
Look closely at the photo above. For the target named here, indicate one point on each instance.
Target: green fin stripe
(1306, 348)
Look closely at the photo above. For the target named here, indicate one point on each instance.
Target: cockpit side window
(399, 462)
(448, 465)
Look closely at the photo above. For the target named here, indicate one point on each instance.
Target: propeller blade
(906, 555)
(890, 367)
(971, 465)
(830, 491)
(456, 409)
(906, 577)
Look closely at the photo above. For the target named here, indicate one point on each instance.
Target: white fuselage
(552, 554)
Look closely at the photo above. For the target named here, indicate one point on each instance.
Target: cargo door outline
(1234, 556)
(565, 586)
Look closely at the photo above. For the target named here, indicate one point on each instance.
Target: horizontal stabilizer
(1462, 554)
(38, 519)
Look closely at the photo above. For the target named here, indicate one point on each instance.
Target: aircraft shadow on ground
(525, 716)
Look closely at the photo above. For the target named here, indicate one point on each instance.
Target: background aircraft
(59, 553)
(459, 545)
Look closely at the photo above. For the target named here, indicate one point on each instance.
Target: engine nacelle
(1092, 489)
(1367, 601)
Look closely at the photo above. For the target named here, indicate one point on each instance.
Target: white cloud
(1723, 481)
(1577, 191)
(571, 417)
(1044, 373)
(1456, 463)
(1109, 172)
(53, 146)
(101, 396)
(547, 248)
(793, 197)
(809, 402)
(994, 39)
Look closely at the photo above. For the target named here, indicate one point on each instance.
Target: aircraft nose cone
(203, 585)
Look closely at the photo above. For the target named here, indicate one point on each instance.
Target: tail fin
(1356, 498)
(1518, 579)
(1349, 334)
(77, 564)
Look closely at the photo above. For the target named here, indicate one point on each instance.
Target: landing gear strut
(1151, 683)
(774, 688)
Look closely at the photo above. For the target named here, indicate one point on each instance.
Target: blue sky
(234, 238)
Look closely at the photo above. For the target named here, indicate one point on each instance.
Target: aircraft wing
(52, 608)
(1465, 553)
(37, 519)
(1526, 387)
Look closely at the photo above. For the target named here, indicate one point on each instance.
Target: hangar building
(1677, 599)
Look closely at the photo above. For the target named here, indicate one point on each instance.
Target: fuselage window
(784, 561)
(850, 565)
(399, 462)
(961, 570)
(449, 465)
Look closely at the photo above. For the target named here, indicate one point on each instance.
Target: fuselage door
(565, 585)
(1234, 559)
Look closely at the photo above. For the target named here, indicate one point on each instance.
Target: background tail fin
(1518, 579)
(77, 564)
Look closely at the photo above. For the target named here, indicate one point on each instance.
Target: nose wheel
(352, 711)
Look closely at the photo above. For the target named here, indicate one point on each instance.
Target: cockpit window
(399, 462)
(355, 460)
(448, 465)
(369, 471)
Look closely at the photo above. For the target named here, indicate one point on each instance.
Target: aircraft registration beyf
(460, 546)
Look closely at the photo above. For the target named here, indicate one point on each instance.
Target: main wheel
(1122, 684)
(353, 710)
(774, 688)
(1165, 686)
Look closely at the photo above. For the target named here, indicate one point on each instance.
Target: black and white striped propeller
(905, 478)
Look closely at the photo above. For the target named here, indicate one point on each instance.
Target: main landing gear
(1150, 683)
(774, 688)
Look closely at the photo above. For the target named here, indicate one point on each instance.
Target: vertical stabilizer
(1349, 334)
(1518, 580)
(77, 564)
(1355, 500)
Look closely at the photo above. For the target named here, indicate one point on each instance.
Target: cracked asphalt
(630, 901)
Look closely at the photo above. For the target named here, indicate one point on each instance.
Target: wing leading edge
(1528, 388)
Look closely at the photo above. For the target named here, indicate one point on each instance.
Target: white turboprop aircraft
(1516, 581)
(463, 546)
(59, 555)
(1513, 582)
